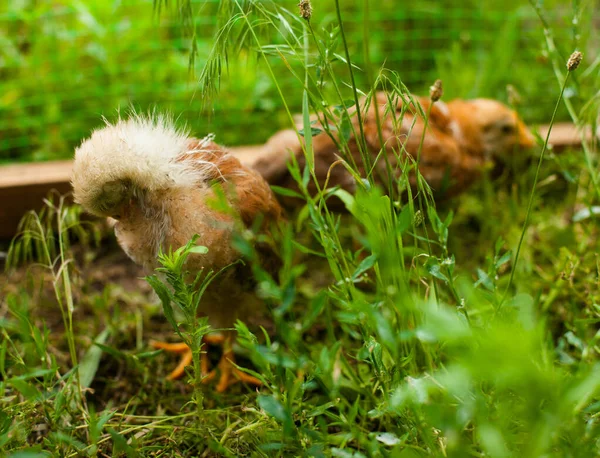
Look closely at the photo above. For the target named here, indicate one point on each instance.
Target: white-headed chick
(160, 185)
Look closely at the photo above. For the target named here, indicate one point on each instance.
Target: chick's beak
(526, 138)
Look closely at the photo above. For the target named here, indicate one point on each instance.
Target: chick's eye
(507, 129)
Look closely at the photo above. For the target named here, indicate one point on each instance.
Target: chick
(460, 138)
(160, 186)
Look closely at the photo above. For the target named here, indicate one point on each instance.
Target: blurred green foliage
(66, 63)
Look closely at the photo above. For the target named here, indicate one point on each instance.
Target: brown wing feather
(247, 192)
(252, 197)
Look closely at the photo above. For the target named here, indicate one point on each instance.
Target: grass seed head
(436, 91)
(574, 61)
(305, 9)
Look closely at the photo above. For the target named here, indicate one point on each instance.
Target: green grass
(403, 328)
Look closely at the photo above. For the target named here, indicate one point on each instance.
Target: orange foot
(227, 368)
(226, 364)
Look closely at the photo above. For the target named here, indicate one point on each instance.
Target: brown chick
(460, 138)
(160, 185)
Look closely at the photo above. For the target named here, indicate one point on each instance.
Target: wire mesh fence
(65, 64)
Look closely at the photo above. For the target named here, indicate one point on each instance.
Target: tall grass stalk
(39, 235)
(556, 57)
(361, 139)
(533, 189)
(327, 221)
(371, 82)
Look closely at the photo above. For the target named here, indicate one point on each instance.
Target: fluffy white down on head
(141, 149)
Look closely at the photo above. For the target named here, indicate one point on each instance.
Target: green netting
(64, 64)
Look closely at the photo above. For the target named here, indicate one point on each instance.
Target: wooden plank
(23, 186)
(563, 135)
(35, 173)
(18, 200)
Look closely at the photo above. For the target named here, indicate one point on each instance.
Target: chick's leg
(179, 348)
(186, 358)
(209, 339)
(229, 373)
